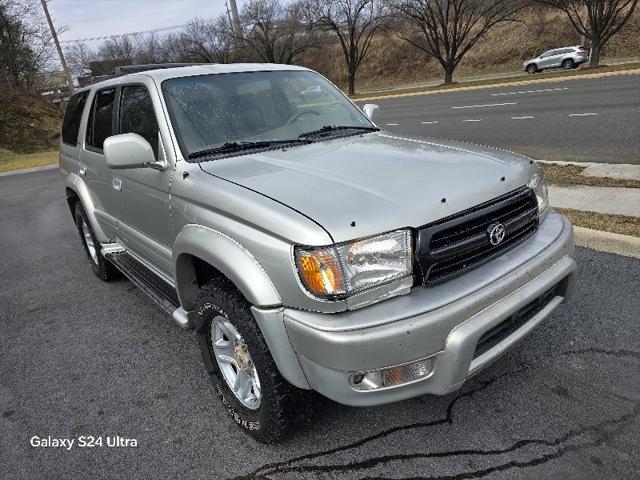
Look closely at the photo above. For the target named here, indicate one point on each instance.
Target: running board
(152, 284)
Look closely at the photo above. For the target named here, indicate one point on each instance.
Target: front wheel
(532, 68)
(242, 370)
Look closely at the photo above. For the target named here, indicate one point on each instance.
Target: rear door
(70, 142)
(546, 59)
(92, 166)
(556, 59)
(145, 225)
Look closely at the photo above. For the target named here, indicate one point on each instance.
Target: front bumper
(443, 321)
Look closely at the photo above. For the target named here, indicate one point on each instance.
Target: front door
(145, 225)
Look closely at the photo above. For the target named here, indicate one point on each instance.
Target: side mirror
(130, 150)
(368, 110)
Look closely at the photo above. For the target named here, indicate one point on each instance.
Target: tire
(568, 64)
(101, 267)
(269, 413)
(532, 68)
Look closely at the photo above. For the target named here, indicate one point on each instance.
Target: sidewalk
(601, 200)
(610, 200)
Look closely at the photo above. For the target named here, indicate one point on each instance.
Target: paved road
(584, 120)
(83, 357)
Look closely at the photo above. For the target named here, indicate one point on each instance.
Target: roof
(161, 74)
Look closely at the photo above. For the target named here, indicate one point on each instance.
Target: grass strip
(498, 81)
(572, 175)
(10, 161)
(605, 222)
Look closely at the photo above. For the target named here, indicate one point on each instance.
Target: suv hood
(377, 180)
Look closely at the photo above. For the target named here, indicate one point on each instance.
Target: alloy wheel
(234, 360)
(88, 240)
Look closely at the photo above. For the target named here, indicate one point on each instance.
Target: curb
(585, 76)
(28, 170)
(624, 245)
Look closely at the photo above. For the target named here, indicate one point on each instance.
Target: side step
(150, 283)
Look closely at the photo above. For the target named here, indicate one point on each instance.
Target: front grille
(505, 328)
(459, 243)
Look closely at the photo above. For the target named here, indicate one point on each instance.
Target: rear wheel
(568, 64)
(532, 68)
(101, 267)
(242, 370)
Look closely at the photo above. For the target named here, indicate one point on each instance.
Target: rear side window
(137, 114)
(72, 118)
(100, 125)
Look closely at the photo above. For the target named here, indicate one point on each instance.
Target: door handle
(82, 170)
(117, 184)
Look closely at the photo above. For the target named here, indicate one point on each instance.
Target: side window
(100, 125)
(72, 118)
(137, 114)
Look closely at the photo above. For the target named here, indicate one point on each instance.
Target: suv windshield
(212, 111)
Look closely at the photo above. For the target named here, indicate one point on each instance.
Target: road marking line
(486, 105)
(551, 79)
(590, 114)
(541, 90)
(429, 123)
(392, 124)
(521, 118)
(472, 120)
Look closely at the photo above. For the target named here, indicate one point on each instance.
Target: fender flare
(228, 257)
(74, 183)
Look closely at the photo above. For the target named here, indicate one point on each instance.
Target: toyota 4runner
(310, 250)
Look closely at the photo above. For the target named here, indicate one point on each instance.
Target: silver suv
(566, 58)
(310, 250)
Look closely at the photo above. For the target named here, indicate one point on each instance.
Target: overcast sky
(92, 18)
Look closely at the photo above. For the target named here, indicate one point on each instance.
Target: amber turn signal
(320, 272)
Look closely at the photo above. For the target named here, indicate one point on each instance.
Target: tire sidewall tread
(104, 269)
(282, 406)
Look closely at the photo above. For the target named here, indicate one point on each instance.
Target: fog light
(393, 376)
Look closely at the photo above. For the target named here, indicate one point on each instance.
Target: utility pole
(236, 19)
(54, 35)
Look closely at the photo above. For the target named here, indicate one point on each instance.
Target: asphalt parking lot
(83, 357)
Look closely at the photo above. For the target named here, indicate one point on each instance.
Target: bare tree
(354, 22)
(597, 20)
(277, 33)
(208, 40)
(25, 44)
(117, 48)
(448, 29)
(79, 56)
(148, 48)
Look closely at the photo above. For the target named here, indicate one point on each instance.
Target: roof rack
(122, 70)
(127, 69)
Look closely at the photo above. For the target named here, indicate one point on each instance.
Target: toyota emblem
(496, 233)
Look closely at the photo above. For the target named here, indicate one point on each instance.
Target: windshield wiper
(333, 128)
(231, 147)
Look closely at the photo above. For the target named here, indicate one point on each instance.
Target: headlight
(337, 271)
(539, 187)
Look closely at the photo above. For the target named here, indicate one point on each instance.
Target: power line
(108, 37)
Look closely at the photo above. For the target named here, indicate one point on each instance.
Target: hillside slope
(28, 123)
